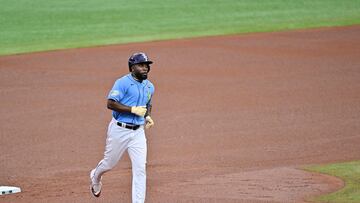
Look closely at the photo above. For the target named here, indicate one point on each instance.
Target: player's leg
(137, 152)
(116, 143)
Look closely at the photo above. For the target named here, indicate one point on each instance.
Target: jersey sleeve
(118, 90)
(151, 93)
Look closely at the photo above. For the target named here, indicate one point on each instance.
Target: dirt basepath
(235, 117)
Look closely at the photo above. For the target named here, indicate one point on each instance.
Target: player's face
(140, 71)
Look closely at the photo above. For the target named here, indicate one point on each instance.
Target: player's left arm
(148, 120)
(148, 111)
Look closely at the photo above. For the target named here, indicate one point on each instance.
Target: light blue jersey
(130, 92)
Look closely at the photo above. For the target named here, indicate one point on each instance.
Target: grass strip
(38, 25)
(350, 173)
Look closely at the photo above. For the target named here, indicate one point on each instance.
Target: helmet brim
(145, 62)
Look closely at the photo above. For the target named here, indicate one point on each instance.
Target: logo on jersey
(114, 93)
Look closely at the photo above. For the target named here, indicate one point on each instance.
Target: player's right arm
(116, 106)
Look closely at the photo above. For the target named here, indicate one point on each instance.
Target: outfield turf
(39, 25)
(350, 173)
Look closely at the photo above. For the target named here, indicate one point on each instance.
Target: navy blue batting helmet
(138, 58)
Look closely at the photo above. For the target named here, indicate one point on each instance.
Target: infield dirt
(235, 118)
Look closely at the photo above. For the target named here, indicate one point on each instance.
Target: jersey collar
(135, 81)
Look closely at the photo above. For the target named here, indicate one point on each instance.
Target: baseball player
(130, 102)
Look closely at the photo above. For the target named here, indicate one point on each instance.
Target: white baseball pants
(118, 140)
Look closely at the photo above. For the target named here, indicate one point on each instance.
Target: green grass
(350, 173)
(36, 25)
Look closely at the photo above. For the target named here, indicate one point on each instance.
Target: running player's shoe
(95, 188)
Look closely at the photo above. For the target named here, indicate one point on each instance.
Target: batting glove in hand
(149, 122)
(139, 110)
